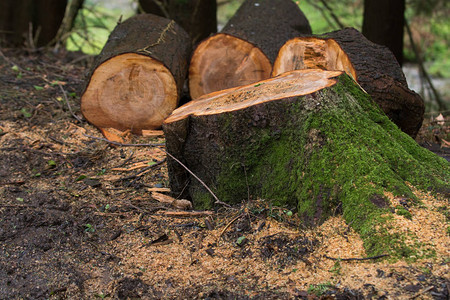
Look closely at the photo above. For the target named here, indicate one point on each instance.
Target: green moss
(202, 200)
(401, 211)
(337, 153)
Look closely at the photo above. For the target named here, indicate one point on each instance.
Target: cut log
(137, 79)
(247, 46)
(309, 140)
(373, 66)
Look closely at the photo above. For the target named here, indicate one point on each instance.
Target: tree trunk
(383, 24)
(245, 49)
(197, 17)
(34, 23)
(309, 140)
(66, 27)
(137, 79)
(373, 66)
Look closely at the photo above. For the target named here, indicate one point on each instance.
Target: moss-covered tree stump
(136, 80)
(373, 66)
(310, 140)
(244, 51)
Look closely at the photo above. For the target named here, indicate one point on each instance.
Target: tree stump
(247, 46)
(373, 66)
(309, 140)
(137, 79)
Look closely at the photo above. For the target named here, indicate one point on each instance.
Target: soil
(78, 220)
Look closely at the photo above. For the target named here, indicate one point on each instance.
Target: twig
(357, 258)
(68, 104)
(171, 156)
(330, 10)
(228, 225)
(141, 172)
(422, 292)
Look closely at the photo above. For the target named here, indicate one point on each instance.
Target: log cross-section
(137, 79)
(244, 51)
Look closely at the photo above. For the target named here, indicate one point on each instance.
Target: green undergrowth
(365, 155)
(337, 156)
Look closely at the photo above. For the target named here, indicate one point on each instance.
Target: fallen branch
(357, 258)
(228, 225)
(422, 292)
(68, 104)
(187, 213)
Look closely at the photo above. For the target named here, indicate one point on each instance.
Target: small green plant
(319, 289)
(26, 113)
(89, 228)
(336, 269)
(101, 172)
(38, 88)
(51, 163)
(401, 211)
(81, 177)
(241, 240)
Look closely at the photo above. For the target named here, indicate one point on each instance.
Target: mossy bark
(332, 151)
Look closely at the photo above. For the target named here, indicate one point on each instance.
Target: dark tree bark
(373, 66)
(69, 20)
(137, 79)
(197, 17)
(309, 140)
(16, 17)
(383, 23)
(243, 52)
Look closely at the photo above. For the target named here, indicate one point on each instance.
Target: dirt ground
(80, 220)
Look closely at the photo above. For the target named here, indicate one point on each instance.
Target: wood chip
(177, 203)
(152, 133)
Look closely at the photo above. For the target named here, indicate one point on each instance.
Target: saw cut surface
(291, 84)
(312, 53)
(223, 62)
(129, 92)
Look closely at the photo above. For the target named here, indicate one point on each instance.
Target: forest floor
(79, 217)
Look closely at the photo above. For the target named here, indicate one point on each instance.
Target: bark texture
(320, 150)
(197, 17)
(17, 17)
(374, 67)
(136, 80)
(246, 47)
